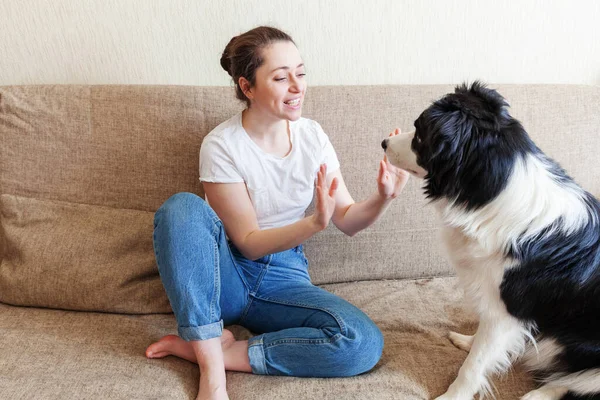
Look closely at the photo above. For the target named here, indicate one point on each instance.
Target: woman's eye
(281, 79)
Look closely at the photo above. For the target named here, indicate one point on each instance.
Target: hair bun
(225, 57)
(226, 63)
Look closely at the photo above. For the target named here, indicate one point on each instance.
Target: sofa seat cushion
(55, 354)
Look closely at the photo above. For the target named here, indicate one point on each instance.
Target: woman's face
(280, 85)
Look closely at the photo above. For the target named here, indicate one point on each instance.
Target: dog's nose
(384, 144)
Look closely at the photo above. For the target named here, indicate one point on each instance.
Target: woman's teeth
(292, 102)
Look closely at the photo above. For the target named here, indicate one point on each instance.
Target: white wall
(342, 41)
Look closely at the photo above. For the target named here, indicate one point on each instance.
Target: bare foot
(176, 346)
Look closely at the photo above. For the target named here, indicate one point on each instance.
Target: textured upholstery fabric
(78, 257)
(131, 147)
(49, 354)
(83, 168)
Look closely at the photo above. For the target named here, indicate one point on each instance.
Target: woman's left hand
(391, 180)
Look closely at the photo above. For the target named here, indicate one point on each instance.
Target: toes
(159, 354)
(154, 350)
(158, 349)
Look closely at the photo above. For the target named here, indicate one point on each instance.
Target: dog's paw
(449, 396)
(535, 395)
(545, 393)
(463, 342)
(456, 392)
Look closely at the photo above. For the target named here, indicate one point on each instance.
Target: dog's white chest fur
(479, 270)
(477, 241)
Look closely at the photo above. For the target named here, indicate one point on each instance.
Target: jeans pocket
(300, 251)
(237, 254)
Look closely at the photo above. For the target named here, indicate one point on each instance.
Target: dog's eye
(418, 139)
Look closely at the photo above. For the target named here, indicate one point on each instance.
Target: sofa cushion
(78, 257)
(133, 146)
(72, 355)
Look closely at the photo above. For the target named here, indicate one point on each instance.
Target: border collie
(524, 240)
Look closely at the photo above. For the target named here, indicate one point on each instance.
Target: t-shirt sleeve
(328, 155)
(216, 164)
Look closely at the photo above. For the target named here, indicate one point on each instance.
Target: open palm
(391, 179)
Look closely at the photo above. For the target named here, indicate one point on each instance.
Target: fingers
(322, 181)
(321, 186)
(322, 175)
(382, 169)
(320, 178)
(396, 131)
(333, 187)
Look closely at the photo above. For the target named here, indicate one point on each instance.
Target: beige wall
(342, 41)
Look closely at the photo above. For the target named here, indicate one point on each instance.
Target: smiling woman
(279, 88)
(240, 259)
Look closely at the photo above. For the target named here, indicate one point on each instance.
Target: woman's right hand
(325, 199)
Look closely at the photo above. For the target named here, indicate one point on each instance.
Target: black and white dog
(523, 237)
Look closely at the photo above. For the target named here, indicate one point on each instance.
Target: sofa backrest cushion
(83, 168)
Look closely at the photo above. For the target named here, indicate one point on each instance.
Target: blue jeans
(302, 330)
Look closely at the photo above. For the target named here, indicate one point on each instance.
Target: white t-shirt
(280, 188)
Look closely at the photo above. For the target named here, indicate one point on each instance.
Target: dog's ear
(449, 129)
(448, 141)
(481, 103)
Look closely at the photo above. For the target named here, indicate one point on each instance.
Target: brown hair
(243, 55)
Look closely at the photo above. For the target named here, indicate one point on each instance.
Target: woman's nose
(295, 85)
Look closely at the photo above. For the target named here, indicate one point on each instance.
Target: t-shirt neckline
(258, 148)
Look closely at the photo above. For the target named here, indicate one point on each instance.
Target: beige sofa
(83, 168)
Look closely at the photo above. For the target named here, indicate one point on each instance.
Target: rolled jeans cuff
(204, 332)
(256, 354)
